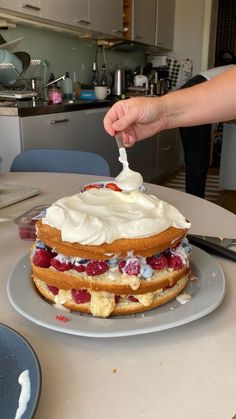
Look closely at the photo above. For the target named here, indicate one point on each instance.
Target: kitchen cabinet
(168, 150)
(144, 21)
(106, 17)
(165, 19)
(227, 178)
(29, 7)
(68, 12)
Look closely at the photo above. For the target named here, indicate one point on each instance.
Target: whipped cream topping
(99, 216)
(128, 180)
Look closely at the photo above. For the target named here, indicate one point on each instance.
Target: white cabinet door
(68, 12)
(27, 7)
(62, 130)
(106, 16)
(165, 23)
(10, 144)
(144, 21)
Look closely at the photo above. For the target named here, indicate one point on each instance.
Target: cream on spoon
(127, 180)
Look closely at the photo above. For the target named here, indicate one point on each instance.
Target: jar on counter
(54, 95)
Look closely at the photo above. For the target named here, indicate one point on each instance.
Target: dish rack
(11, 77)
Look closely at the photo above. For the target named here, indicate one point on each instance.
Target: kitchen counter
(24, 108)
(184, 372)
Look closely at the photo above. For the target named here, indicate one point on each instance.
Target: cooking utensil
(119, 141)
(216, 245)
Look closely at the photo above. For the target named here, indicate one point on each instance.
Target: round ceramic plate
(207, 292)
(16, 356)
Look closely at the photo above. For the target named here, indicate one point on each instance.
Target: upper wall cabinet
(144, 21)
(106, 17)
(28, 7)
(68, 12)
(165, 18)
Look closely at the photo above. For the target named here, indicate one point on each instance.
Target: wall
(67, 53)
(189, 30)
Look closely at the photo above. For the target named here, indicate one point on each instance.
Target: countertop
(184, 372)
(24, 108)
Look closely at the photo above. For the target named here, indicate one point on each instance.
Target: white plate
(207, 293)
(16, 356)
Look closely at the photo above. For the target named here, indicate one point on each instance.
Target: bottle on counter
(94, 78)
(103, 81)
(67, 87)
(54, 92)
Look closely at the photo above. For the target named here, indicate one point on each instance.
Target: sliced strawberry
(94, 185)
(42, 258)
(96, 267)
(133, 299)
(174, 262)
(113, 186)
(157, 263)
(61, 265)
(53, 289)
(117, 298)
(62, 319)
(80, 296)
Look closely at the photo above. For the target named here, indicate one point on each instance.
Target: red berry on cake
(42, 258)
(157, 263)
(174, 262)
(96, 267)
(80, 296)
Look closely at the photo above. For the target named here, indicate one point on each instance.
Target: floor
(226, 199)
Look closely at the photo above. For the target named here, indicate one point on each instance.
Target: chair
(61, 161)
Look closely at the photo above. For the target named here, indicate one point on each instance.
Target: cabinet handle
(138, 36)
(30, 6)
(86, 22)
(167, 148)
(58, 121)
(117, 31)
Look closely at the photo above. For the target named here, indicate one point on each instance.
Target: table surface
(188, 371)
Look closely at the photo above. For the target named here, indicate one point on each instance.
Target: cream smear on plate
(24, 381)
(128, 180)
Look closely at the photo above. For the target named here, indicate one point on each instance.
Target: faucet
(54, 81)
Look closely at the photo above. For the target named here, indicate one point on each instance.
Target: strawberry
(80, 296)
(53, 289)
(96, 267)
(117, 299)
(130, 267)
(62, 319)
(94, 185)
(174, 262)
(157, 263)
(42, 258)
(113, 186)
(133, 299)
(79, 268)
(61, 265)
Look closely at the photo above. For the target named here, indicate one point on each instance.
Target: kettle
(119, 82)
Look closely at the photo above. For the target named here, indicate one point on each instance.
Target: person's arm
(142, 117)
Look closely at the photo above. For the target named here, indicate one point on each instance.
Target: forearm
(209, 102)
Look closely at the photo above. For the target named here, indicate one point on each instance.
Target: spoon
(128, 180)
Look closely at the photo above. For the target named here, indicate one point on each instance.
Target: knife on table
(215, 245)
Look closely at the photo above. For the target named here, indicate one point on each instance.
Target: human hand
(134, 119)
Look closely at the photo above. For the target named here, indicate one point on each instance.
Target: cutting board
(10, 194)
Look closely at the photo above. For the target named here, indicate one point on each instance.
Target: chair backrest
(61, 161)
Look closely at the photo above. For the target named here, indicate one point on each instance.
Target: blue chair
(60, 161)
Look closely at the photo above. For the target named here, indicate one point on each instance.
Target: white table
(185, 372)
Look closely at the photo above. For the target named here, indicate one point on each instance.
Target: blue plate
(16, 356)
